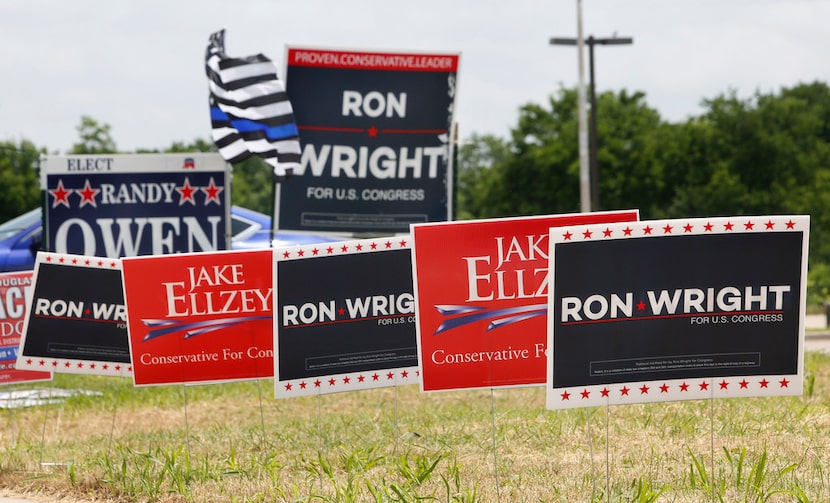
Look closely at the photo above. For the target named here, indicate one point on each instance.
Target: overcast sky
(138, 65)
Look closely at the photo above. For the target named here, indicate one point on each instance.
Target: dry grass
(233, 442)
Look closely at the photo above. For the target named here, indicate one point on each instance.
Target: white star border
(679, 389)
(352, 381)
(71, 365)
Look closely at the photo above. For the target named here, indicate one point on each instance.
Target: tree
(537, 172)
(94, 138)
(18, 178)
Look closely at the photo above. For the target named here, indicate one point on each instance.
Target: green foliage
(252, 185)
(95, 138)
(18, 178)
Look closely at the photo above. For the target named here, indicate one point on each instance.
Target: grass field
(235, 443)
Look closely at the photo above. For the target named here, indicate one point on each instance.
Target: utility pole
(592, 165)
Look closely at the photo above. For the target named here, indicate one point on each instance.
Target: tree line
(766, 154)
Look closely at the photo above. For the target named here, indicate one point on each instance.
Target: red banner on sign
(481, 295)
(13, 287)
(198, 318)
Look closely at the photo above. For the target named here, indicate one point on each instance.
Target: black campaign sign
(77, 319)
(667, 310)
(345, 317)
(375, 129)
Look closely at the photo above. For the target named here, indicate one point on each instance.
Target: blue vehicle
(22, 236)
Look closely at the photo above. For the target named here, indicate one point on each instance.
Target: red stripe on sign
(373, 60)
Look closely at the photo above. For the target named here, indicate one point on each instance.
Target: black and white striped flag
(250, 113)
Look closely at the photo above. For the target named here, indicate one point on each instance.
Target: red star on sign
(790, 225)
(605, 392)
(587, 234)
(728, 226)
(315, 251)
(664, 388)
(606, 233)
(647, 230)
(186, 192)
(288, 387)
(667, 229)
(388, 244)
(644, 390)
(346, 380)
(585, 394)
(374, 246)
(344, 248)
(300, 253)
(329, 250)
(285, 254)
(624, 391)
(373, 132)
(707, 227)
(684, 387)
(784, 383)
(358, 247)
(724, 385)
(361, 378)
(641, 306)
(341, 311)
(763, 383)
(769, 225)
(704, 385)
(567, 236)
(212, 192)
(60, 194)
(687, 228)
(404, 374)
(403, 243)
(566, 396)
(744, 384)
(303, 385)
(88, 195)
(627, 231)
(748, 226)
(317, 383)
(390, 375)
(375, 376)
(332, 382)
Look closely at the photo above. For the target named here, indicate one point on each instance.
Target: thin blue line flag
(250, 113)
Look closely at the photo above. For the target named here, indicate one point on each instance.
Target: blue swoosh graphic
(506, 315)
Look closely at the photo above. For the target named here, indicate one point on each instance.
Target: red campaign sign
(13, 288)
(481, 298)
(200, 318)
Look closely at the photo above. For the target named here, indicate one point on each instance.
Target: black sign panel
(670, 308)
(375, 130)
(76, 322)
(345, 317)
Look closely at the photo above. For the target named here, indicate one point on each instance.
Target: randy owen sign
(128, 205)
(677, 309)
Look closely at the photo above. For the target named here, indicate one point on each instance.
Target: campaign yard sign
(116, 205)
(481, 298)
(677, 310)
(376, 135)
(13, 288)
(76, 322)
(201, 317)
(344, 317)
